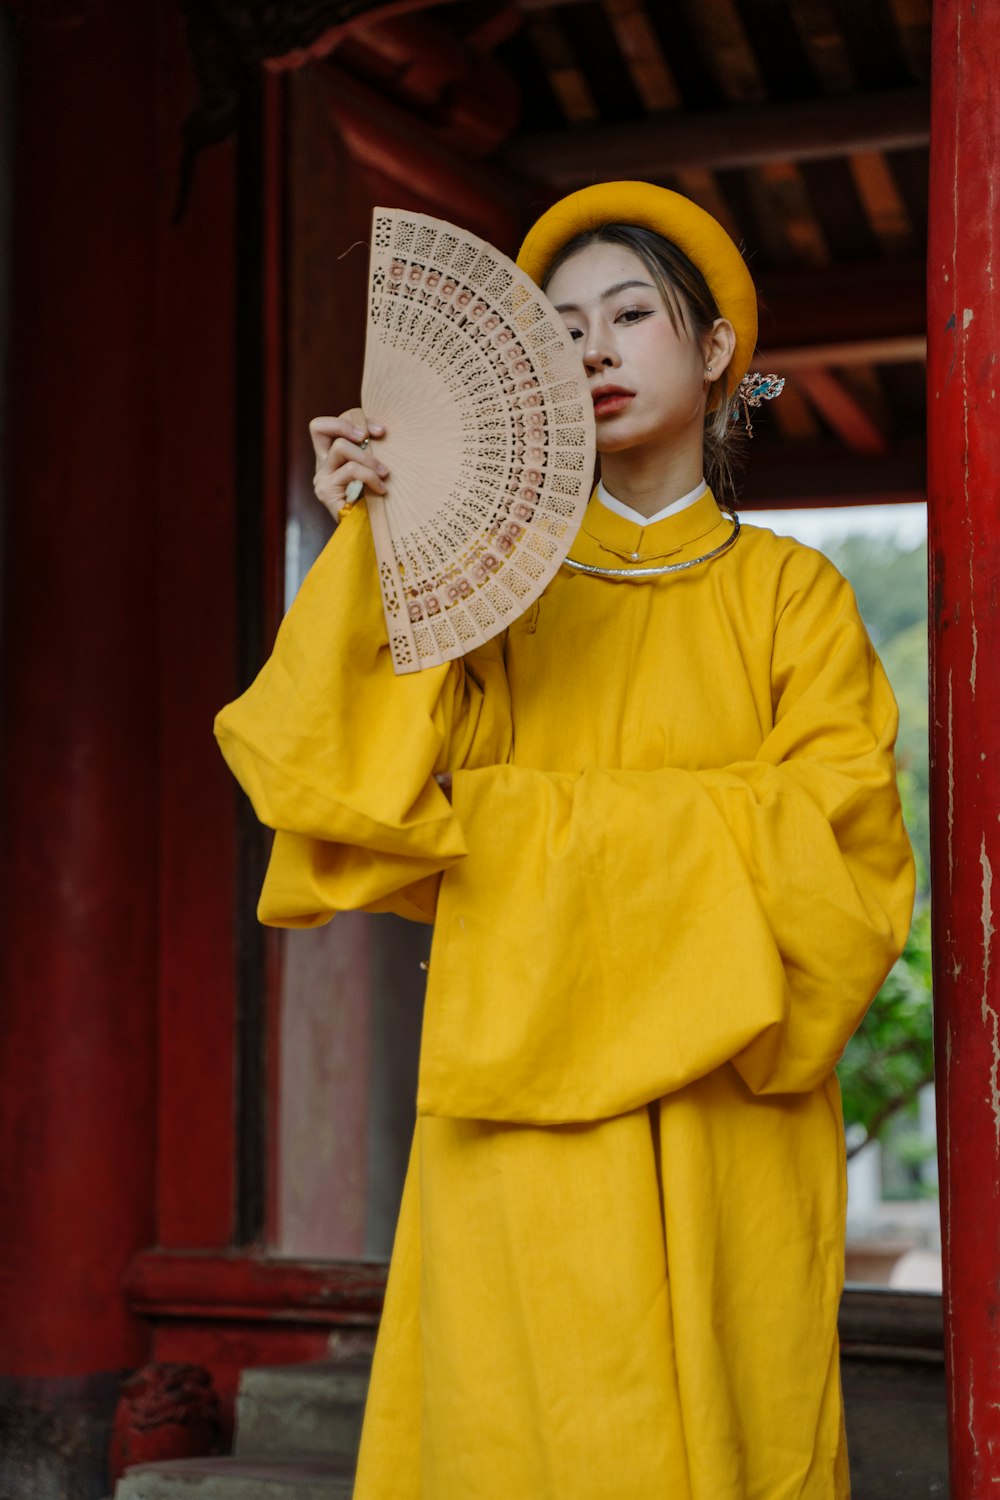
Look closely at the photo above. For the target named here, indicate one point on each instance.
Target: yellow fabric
(700, 236)
(674, 874)
(340, 766)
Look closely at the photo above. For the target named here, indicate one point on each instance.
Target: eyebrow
(612, 291)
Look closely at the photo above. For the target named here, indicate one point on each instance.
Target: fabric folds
(338, 754)
(672, 874)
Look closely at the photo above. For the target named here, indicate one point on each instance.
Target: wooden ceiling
(801, 124)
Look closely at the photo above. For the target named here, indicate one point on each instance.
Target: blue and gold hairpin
(751, 391)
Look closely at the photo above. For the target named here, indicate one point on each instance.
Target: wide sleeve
(614, 935)
(338, 754)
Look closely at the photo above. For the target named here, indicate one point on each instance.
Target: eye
(633, 314)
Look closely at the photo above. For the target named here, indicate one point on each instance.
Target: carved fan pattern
(489, 436)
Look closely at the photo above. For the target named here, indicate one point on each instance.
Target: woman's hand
(343, 457)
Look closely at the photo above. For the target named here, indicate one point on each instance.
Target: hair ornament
(751, 391)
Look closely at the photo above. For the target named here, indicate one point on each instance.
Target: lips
(610, 399)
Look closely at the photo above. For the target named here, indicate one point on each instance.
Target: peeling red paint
(963, 481)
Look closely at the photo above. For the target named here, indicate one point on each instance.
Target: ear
(718, 347)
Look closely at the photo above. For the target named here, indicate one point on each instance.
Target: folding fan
(489, 436)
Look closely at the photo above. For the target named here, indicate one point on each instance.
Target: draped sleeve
(613, 935)
(338, 754)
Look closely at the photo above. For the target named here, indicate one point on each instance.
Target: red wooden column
(117, 816)
(78, 888)
(964, 520)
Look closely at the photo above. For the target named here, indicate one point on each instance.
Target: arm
(338, 753)
(614, 935)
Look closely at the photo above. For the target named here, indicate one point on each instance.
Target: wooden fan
(489, 436)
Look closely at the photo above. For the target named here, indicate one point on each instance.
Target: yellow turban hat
(702, 239)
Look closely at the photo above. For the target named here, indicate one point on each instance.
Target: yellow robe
(675, 873)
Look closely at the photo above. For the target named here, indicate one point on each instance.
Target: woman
(657, 826)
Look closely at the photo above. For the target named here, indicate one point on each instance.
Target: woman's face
(647, 381)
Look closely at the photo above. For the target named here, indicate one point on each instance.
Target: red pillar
(963, 491)
(78, 887)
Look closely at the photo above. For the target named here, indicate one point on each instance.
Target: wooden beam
(391, 142)
(657, 87)
(643, 55)
(827, 474)
(425, 65)
(800, 130)
(286, 42)
(493, 30)
(567, 78)
(845, 304)
(901, 349)
(883, 201)
(842, 411)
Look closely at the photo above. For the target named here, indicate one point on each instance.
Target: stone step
(239, 1479)
(308, 1409)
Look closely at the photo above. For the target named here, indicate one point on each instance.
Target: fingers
(342, 451)
(331, 485)
(350, 424)
(344, 457)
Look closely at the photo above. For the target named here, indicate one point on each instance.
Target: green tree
(890, 582)
(890, 1059)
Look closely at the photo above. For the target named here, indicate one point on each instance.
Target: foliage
(890, 583)
(905, 660)
(890, 1058)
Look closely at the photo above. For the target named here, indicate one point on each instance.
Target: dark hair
(690, 304)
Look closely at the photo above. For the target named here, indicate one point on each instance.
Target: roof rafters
(842, 410)
(655, 147)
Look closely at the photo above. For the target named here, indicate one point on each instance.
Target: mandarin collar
(610, 534)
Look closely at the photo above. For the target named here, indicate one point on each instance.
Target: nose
(600, 354)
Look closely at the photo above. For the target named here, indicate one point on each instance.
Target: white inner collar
(621, 509)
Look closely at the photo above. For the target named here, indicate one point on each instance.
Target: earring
(708, 367)
(752, 390)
